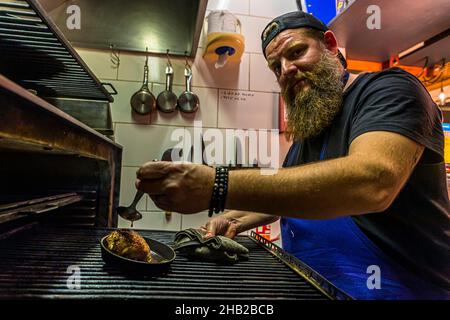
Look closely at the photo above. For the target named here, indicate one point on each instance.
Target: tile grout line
(249, 73)
(218, 104)
(188, 127)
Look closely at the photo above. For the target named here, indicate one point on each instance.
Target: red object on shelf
(264, 231)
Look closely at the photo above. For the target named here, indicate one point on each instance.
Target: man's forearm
(321, 190)
(246, 220)
(368, 180)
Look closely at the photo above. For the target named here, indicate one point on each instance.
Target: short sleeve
(396, 101)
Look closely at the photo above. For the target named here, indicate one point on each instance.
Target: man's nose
(288, 68)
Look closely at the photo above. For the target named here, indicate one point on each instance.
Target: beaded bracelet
(220, 190)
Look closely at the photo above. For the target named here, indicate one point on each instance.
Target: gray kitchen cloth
(218, 249)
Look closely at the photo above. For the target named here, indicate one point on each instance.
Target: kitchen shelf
(435, 52)
(404, 23)
(133, 25)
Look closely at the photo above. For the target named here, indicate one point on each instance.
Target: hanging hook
(169, 63)
(187, 61)
(146, 55)
(114, 58)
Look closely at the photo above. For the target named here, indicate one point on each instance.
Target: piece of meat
(128, 244)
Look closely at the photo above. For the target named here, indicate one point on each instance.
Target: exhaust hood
(131, 25)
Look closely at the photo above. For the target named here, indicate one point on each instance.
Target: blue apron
(342, 253)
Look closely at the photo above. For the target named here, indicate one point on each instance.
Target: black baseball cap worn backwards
(292, 20)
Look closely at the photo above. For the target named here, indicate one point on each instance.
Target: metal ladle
(130, 213)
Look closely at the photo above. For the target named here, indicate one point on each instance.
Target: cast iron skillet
(162, 257)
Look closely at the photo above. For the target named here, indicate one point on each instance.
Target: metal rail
(299, 267)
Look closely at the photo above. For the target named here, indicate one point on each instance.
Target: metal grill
(35, 54)
(35, 266)
(79, 214)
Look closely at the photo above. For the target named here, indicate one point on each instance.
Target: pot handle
(169, 76)
(188, 77)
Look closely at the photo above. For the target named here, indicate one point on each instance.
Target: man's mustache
(300, 75)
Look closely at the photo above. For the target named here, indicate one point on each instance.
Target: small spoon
(130, 213)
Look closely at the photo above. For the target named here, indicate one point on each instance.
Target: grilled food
(128, 244)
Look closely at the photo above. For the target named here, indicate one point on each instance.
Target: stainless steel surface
(94, 113)
(188, 101)
(130, 213)
(134, 25)
(35, 54)
(143, 101)
(167, 100)
(404, 23)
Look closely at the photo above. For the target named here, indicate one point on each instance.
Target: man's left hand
(178, 187)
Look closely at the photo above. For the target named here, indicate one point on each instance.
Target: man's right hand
(220, 226)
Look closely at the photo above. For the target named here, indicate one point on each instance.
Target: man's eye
(297, 53)
(277, 70)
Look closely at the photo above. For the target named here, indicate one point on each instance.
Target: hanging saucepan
(188, 101)
(167, 100)
(143, 101)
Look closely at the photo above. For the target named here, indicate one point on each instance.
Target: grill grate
(35, 266)
(34, 53)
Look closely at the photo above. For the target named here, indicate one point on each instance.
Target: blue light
(325, 10)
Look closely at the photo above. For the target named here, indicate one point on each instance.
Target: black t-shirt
(415, 229)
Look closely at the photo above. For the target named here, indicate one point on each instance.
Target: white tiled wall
(194, 220)
(271, 8)
(145, 138)
(261, 78)
(259, 111)
(127, 193)
(99, 62)
(251, 29)
(142, 143)
(234, 6)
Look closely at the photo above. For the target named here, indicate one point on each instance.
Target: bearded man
(363, 186)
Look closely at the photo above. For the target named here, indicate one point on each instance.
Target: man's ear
(330, 41)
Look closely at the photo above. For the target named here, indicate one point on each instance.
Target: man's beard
(312, 110)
